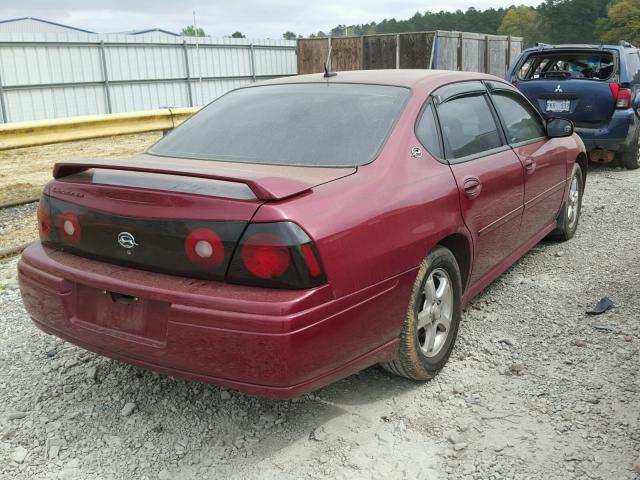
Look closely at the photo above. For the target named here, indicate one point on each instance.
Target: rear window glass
(316, 124)
(589, 65)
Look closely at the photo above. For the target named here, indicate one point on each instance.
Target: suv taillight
(276, 254)
(622, 96)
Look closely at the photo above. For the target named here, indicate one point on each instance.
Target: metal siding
(51, 75)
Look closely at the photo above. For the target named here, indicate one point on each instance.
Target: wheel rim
(436, 312)
(573, 202)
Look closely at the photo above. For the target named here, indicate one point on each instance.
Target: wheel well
(583, 163)
(460, 248)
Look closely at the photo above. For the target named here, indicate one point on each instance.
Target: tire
(630, 157)
(569, 217)
(415, 359)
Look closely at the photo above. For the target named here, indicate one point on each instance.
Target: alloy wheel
(436, 312)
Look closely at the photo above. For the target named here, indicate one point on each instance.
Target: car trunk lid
(182, 217)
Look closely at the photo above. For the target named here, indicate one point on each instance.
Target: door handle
(472, 186)
(530, 165)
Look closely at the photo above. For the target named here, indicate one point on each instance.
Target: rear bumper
(272, 343)
(615, 135)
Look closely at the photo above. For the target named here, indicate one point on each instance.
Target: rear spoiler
(264, 187)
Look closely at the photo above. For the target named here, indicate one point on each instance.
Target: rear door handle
(472, 186)
(530, 165)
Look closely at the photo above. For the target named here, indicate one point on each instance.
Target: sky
(253, 18)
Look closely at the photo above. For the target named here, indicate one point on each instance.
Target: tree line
(553, 21)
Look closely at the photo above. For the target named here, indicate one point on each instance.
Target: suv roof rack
(626, 44)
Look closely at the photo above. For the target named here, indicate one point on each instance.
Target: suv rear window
(313, 124)
(592, 65)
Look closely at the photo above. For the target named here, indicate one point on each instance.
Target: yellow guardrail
(43, 132)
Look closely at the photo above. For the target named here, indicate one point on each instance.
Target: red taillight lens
(622, 96)
(276, 254)
(265, 256)
(69, 227)
(204, 247)
(44, 221)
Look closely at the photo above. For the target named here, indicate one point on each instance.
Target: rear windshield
(590, 65)
(316, 124)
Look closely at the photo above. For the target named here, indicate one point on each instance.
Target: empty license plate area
(122, 314)
(558, 105)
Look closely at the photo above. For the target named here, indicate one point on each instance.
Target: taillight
(276, 254)
(204, 247)
(69, 227)
(44, 221)
(622, 96)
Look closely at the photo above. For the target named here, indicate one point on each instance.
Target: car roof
(411, 78)
(577, 46)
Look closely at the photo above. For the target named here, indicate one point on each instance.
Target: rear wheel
(431, 325)
(567, 222)
(630, 158)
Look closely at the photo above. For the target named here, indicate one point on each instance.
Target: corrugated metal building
(63, 74)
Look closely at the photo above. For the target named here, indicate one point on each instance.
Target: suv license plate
(558, 105)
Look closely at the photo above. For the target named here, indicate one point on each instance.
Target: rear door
(572, 84)
(489, 175)
(544, 164)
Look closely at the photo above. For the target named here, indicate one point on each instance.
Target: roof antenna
(327, 73)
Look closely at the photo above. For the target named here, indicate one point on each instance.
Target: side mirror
(559, 127)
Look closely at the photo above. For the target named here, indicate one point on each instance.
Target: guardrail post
(105, 77)
(186, 66)
(3, 107)
(252, 54)
(397, 51)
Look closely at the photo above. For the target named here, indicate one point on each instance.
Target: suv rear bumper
(615, 135)
(267, 342)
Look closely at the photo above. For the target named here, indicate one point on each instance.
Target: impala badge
(558, 89)
(126, 240)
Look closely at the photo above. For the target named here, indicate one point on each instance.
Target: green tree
(192, 31)
(237, 35)
(572, 21)
(622, 22)
(523, 21)
(289, 36)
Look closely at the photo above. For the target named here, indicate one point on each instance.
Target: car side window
(520, 121)
(468, 127)
(427, 132)
(633, 66)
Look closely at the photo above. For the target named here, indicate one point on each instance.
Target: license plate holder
(122, 315)
(558, 106)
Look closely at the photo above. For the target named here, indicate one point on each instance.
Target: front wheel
(567, 222)
(431, 325)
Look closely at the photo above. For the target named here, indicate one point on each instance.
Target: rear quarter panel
(383, 220)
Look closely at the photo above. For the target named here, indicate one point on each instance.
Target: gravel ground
(18, 225)
(535, 389)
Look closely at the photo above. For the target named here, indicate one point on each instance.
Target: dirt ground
(535, 389)
(24, 171)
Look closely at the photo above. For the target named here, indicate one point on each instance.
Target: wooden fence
(430, 50)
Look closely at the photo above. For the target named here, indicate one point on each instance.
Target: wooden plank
(379, 52)
(415, 50)
(312, 54)
(346, 53)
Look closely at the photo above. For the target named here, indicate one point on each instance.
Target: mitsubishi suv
(597, 87)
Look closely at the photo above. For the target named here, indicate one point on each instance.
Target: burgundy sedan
(299, 230)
